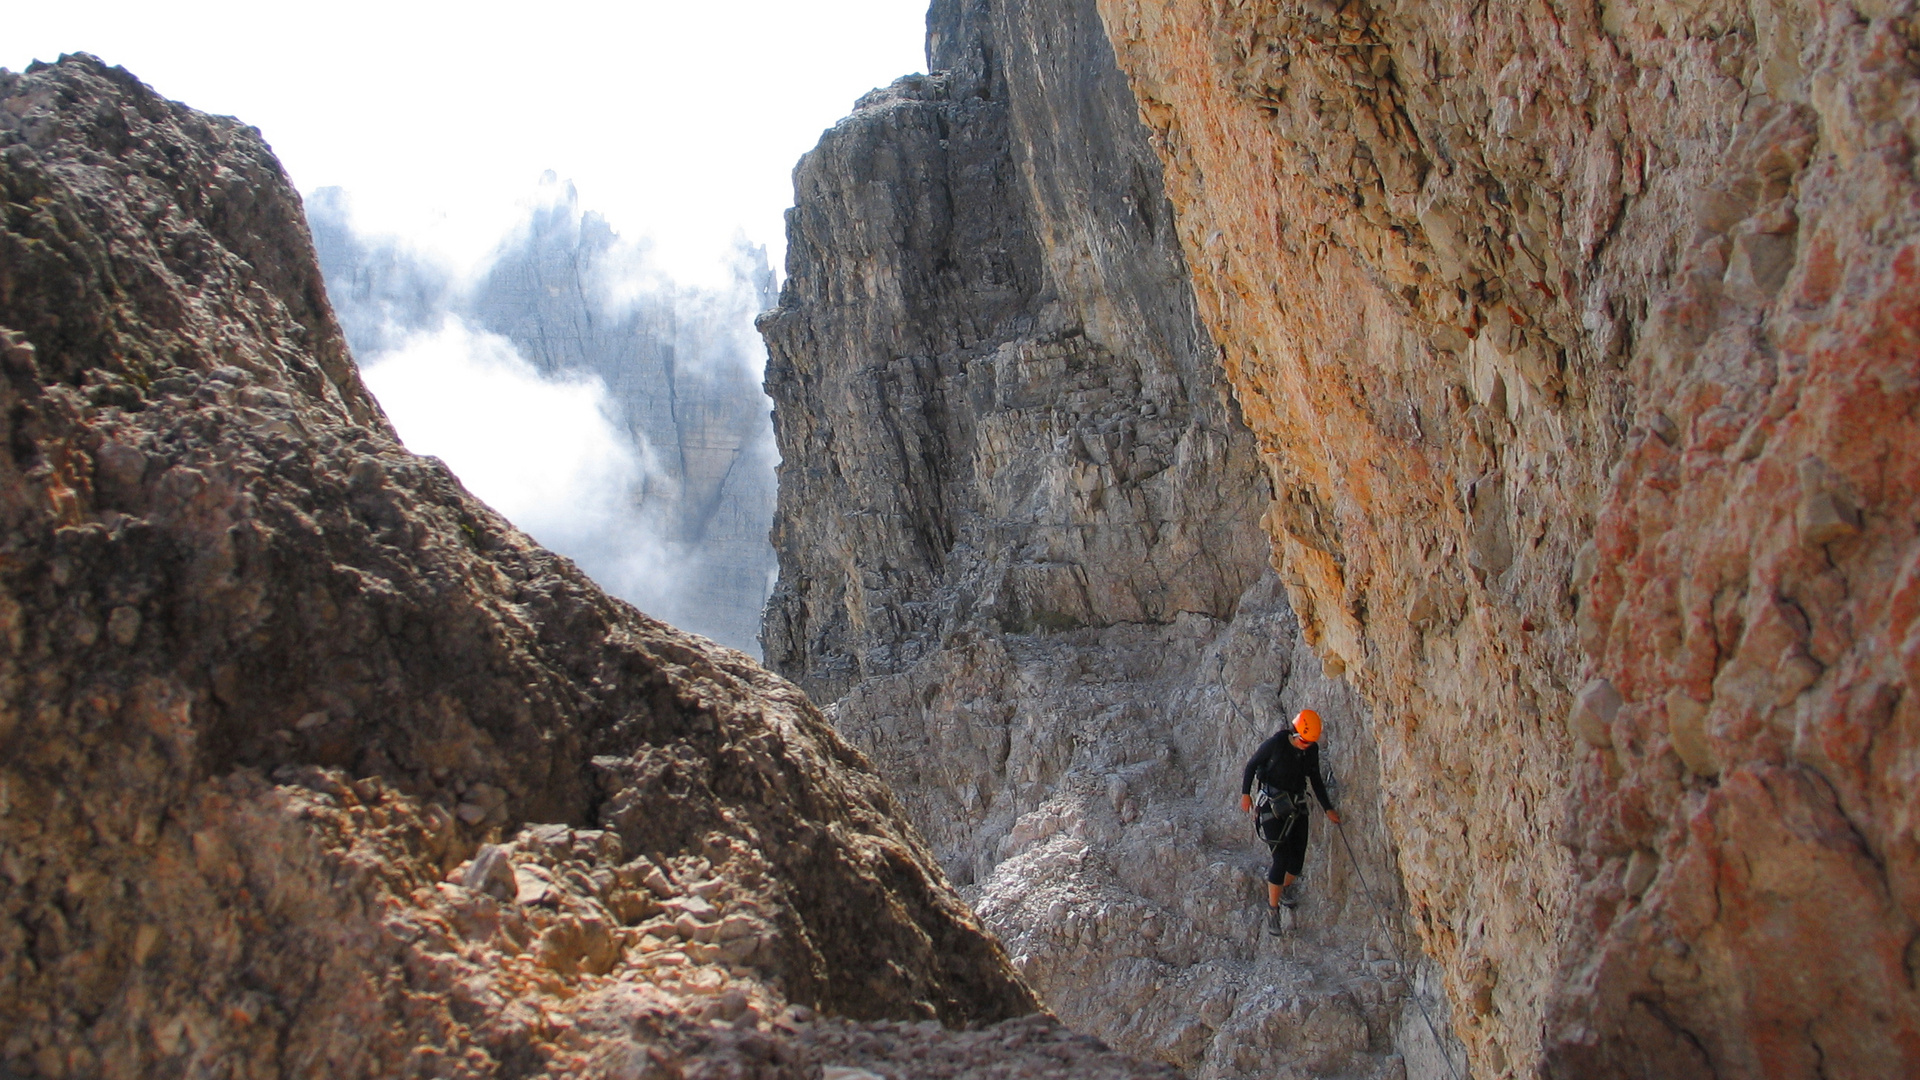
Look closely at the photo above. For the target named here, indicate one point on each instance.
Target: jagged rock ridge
(317, 766)
(681, 366)
(1579, 342)
(1019, 543)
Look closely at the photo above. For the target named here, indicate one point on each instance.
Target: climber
(1285, 764)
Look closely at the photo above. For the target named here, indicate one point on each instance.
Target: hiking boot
(1290, 895)
(1275, 924)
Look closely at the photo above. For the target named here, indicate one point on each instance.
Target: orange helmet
(1306, 724)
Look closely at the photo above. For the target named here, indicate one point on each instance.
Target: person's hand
(1333, 816)
(1246, 804)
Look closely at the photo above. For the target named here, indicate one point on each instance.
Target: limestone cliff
(1579, 343)
(315, 766)
(1019, 544)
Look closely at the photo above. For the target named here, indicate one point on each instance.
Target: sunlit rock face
(1019, 544)
(686, 537)
(1579, 342)
(314, 765)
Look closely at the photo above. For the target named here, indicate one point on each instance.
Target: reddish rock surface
(1580, 343)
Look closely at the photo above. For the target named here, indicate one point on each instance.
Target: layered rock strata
(1019, 545)
(1579, 343)
(314, 765)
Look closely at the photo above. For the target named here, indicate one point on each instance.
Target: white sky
(681, 120)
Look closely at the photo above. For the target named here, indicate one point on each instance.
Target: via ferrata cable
(1398, 956)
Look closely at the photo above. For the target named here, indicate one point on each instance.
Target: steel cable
(1399, 957)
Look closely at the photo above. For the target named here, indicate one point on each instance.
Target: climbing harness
(1398, 957)
(1277, 813)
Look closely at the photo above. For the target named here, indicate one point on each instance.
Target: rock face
(681, 366)
(1019, 545)
(963, 443)
(316, 766)
(1579, 342)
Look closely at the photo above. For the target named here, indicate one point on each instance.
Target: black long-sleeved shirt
(1281, 767)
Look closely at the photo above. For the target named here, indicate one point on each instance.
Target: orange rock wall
(1579, 340)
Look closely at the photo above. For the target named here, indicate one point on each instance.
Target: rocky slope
(1579, 343)
(316, 766)
(1019, 545)
(681, 367)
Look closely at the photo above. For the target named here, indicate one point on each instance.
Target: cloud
(610, 409)
(544, 452)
